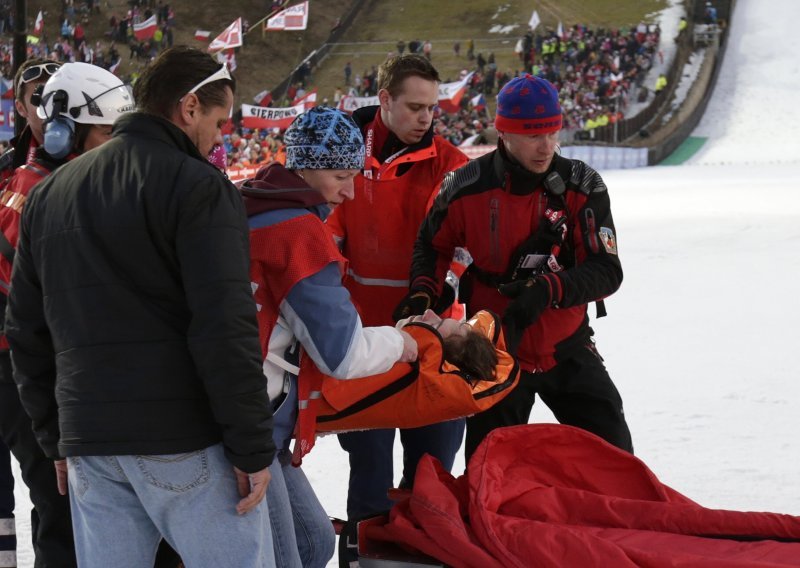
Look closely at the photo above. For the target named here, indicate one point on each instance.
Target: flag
(228, 57)
(230, 37)
(350, 103)
(293, 18)
(38, 26)
(145, 30)
(7, 125)
(308, 100)
(478, 102)
(534, 21)
(263, 98)
(115, 66)
(560, 30)
(470, 141)
(269, 117)
(450, 94)
(202, 35)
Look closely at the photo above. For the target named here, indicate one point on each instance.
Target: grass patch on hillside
(266, 59)
(379, 27)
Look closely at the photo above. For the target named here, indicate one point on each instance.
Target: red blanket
(551, 495)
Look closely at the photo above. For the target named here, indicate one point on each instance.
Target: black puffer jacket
(132, 304)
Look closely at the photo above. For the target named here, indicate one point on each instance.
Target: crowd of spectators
(598, 72)
(73, 44)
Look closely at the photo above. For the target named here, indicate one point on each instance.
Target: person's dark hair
(396, 69)
(172, 75)
(19, 91)
(473, 353)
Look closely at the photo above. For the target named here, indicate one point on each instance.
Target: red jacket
(12, 199)
(491, 207)
(377, 229)
(549, 495)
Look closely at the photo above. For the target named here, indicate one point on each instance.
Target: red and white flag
(145, 30)
(202, 35)
(350, 103)
(38, 26)
(450, 94)
(230, 37)
(115, 66)
(269, 117)
(263, 98)
(308, 100)
(478, 102)
(228, 57)
(293, 18)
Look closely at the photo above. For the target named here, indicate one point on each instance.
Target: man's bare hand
(61, 476)
(409, 348)
(253, 487)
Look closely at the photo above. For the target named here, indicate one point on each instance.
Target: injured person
(462, 368)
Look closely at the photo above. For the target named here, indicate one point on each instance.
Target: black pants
(51, 525)
(8, 535)
(578, 390)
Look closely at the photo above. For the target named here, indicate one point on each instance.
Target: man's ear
(384, 98)
(188, 109)
(23, 112)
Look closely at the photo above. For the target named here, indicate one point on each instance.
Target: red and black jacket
(491, 207)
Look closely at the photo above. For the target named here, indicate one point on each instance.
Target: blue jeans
(302, 533)
(123, 505)
(301, 530)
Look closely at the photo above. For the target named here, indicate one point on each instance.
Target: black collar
(158, 128)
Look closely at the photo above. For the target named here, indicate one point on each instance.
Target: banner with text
(269, 117)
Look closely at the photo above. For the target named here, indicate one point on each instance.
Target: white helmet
(86, 94)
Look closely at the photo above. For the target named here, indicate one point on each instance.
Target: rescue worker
(542, 238)
(405, 165)
(296, 271)
(31, 74)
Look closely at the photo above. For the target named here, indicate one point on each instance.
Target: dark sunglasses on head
(35, 72)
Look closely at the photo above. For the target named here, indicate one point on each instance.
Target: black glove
(531, 297)
(414, 304)
(446, 299)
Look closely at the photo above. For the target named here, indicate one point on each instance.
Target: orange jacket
(377, 229)
(409, 395)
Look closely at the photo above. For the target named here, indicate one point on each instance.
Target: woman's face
(447, 327)
(336, 186)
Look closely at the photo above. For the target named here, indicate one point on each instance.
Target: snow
(699, 338)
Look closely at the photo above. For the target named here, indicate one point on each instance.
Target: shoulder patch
(462, 177)
(608, 240)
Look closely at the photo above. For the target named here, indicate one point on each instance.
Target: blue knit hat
(528, 105)
(324, 138)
